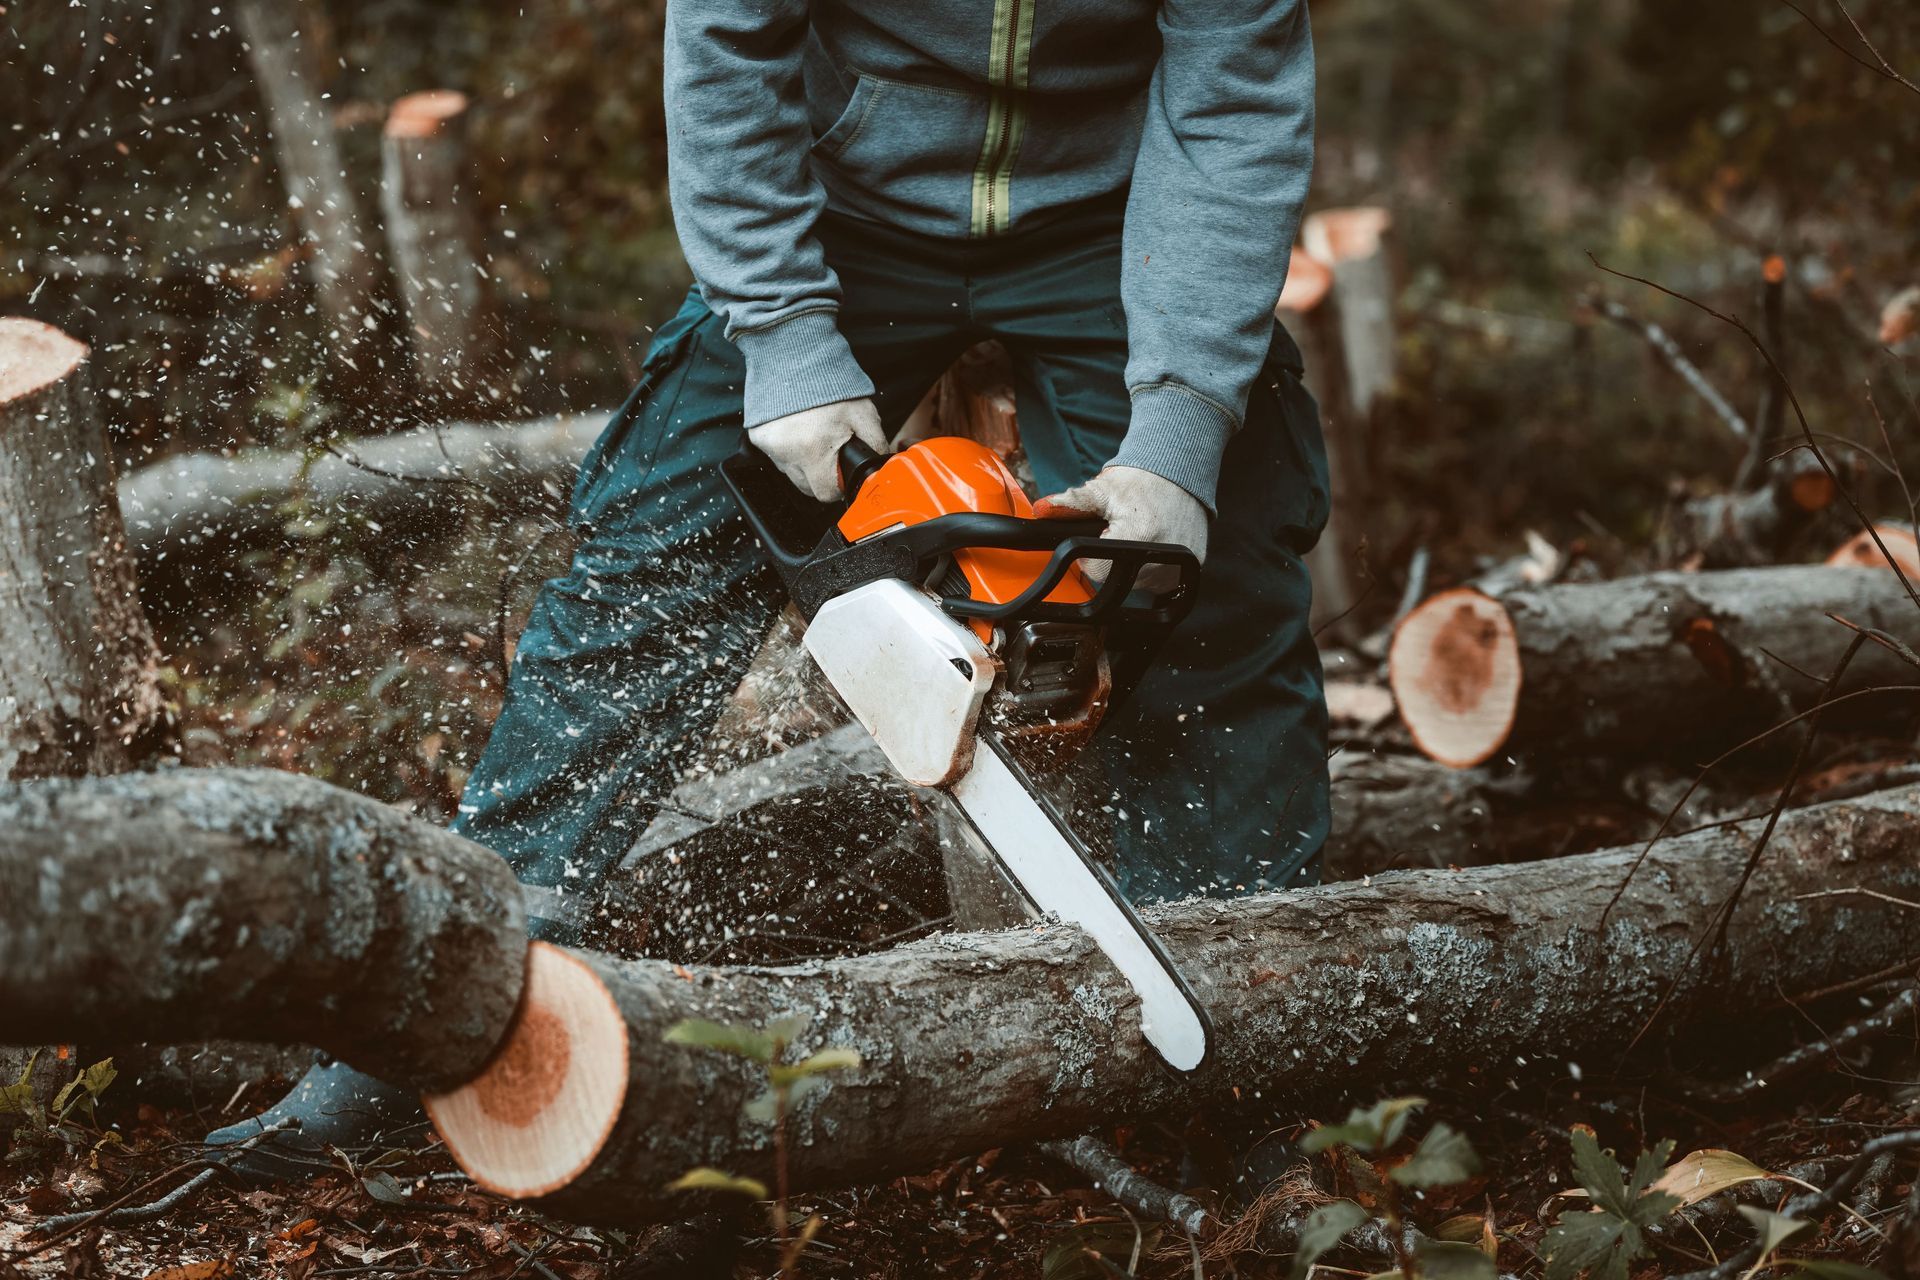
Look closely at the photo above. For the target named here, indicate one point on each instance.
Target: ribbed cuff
(798, 364)
(1179, 436)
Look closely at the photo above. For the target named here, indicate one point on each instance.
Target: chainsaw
(960, 631)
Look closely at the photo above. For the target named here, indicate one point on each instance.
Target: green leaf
(1096, 1250)
(1324, 1228)
(384, 1188)
(1447, 1260)
(84, 1089)
(784, 1073)
(1651, 1206)
(1596, 1170)
(1444, 1156)
(743, 1042)
(829, 1060)
(787, 1029)
(1596, 1242)
(1775, 1228)
(708, 1179)
(1372, 1130)
(17, 1098)
(1831, 1269)
(764, 1109)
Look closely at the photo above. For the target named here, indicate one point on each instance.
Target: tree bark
(250, 904)
(434, 239)
(1667, 663)
(282, 45)
(211, 504)
(77, 664)
(967, 1040)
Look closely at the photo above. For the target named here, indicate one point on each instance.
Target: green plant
(787, 1084)
(1443, 1156)
(1606, 1241)
(42, 1125)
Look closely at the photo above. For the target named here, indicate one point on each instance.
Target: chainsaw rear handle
(816, 563)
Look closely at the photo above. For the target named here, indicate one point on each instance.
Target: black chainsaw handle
(816, 564)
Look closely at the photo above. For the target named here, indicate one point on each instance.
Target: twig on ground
(1100, 1162)
(118, 1210)
(1879, 66)
(1811, 1056)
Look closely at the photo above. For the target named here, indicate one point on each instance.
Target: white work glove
(1138, 506)
(806, 445)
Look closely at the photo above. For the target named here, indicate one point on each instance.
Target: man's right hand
(806, 445)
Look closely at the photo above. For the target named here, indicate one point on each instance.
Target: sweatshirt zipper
(1006, 114)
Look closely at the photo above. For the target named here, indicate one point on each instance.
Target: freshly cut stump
(1860, 550)
(1455, 671)
(534, 1119)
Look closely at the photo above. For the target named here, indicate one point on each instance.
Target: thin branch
(1663, 344)
(1799, 413)
(1809, 1056)
(1879, 66)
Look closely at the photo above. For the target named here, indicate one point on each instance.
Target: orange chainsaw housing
(949, 474)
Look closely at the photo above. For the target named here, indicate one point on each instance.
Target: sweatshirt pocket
(904, 153)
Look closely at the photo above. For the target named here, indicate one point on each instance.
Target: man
(864, 189)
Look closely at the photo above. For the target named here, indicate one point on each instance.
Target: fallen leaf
(211, 1269)
(1699, 1174)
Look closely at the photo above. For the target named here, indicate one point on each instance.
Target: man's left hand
(1138, 506)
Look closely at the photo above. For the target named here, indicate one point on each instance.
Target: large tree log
(434, 239)
(413, 482)
(969, 1040)
(251, 904)
(1667, 662)
(77, 664)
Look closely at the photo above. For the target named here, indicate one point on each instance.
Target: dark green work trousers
(1217, 762)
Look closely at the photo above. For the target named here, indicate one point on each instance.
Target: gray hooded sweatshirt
(976, 118)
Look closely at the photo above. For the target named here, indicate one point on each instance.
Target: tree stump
(434, 239)
(77, 663)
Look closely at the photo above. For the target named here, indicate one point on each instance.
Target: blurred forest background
(142, 210)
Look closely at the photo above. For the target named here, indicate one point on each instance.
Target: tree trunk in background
(968, 1041)
(434, 239)
(1672, 664)
(1308, 311)
(282, 45)
(248, 903)
(1349, 347)
(77, 664)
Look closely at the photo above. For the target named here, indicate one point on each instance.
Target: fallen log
(246, 903)
(1667, 663)
(415, 481)
(968, 1040)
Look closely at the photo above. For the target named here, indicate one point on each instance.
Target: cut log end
(34, 356)
(1337, 235)
(1308, 280)
(536, 1117)
(1860, 551)
(422, 115)
(1455, 672)
(1812, 490)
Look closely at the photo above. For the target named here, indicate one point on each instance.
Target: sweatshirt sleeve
(1218, 186)
(745, 200)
